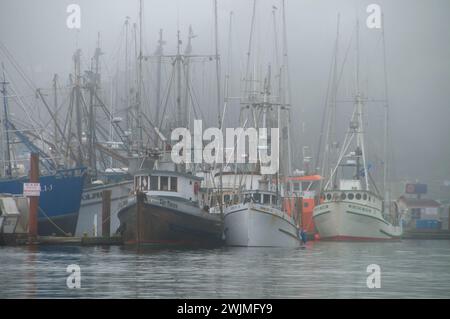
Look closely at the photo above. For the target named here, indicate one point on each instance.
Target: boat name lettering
(363, 209)
(89, 196)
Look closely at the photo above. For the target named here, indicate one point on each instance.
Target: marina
(174, 152)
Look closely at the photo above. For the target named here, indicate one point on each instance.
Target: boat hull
(168, 222)
(253, 225)
(346, 221)
(91, 207)
(59, 200)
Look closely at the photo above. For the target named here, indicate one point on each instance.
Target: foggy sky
(417, 48)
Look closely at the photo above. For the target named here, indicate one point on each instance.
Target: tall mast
(77, 95)
(93, 85)
(216, 42)
(139, 102)
(332, 144)
(359, 115)
(187, 53)
(386, 188)
(127, 77)
(8, 171)
(229, 70)
(288, 89)
(159, 52)
(55, 111)
(181, 118)
(219, 102)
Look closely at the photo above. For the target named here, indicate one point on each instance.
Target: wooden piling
(34, 200)
(106, 213)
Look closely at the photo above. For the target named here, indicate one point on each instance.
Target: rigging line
(17, 66)
(22, 106)
(21, 102)
(169, 88)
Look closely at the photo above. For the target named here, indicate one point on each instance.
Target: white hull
(255, 225)
(341, 220)
(91, 207)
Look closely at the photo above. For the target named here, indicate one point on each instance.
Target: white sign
(31, 189)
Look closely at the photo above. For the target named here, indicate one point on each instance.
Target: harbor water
(408, 269)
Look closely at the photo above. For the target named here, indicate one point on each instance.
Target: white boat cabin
(168, 184)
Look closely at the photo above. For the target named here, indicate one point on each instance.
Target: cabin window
(154, 183)
(257, 198)
(343, 196)
(328, 196)
(358, 196)
(266, 199)
(365, 196)
(351, 196)
(226, 199)
(296, 187)
(164, 183)
(305, 204)
(173, 184)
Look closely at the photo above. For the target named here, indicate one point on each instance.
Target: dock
(24, 239)
(426, 234)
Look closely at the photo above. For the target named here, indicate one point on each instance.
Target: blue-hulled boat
(59, 202)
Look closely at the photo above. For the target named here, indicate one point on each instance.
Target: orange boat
(299, 199)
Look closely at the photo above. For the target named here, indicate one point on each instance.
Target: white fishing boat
(351, 206)
(259, 222)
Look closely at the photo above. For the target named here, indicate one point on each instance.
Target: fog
(417, 35)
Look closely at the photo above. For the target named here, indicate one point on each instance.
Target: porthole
(343, 196)
(328, 196)
(358, 196)
(351, 196)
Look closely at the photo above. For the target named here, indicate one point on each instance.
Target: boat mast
(127, 78)
(187, 53)
(139, 100)
(386, 187)
(178, 62)
(288, 89)
(8, 171)
(359, 117)
(159, 52)
(77, 95)
(219, 102)
(55, 111)
(93, 85)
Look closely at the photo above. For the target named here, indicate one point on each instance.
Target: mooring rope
(53, 223)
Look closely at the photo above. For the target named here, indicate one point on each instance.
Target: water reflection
(414, 269)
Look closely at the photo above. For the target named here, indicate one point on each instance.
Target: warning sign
(31, 189)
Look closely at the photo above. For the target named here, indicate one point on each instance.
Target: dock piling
(34, 200)
(106, 213)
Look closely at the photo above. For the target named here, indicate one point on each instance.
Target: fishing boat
(165, 208)
(61, 189)
(351, 207)
(166, 211)
(59, 200)
(257, 218)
